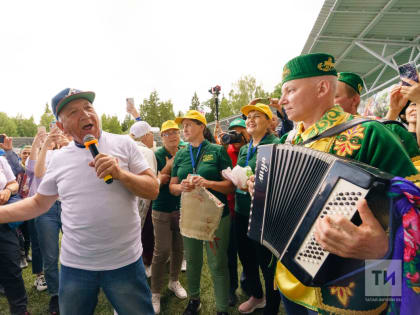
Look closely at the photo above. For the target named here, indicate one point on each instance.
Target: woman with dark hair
(252, 254)
(205, 161)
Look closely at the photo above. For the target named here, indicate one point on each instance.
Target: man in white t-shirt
(142, 133)
(101, 245)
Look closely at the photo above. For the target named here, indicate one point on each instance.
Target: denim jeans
(37, 264)
(48, 227)
(126, 288)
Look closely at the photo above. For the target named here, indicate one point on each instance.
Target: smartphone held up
(130, 103)
(408, 71)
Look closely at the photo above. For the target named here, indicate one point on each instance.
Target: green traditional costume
(406, 138)
(369, 142)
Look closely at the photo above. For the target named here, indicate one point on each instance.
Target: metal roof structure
(368, 37)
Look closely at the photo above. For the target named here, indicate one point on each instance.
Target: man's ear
(355, 102)
(323, 87)
(60, 125)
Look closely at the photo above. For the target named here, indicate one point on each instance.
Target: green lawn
(170, 305)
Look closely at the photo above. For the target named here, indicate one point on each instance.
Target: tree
(25, 127)
(277, 91)
(154, 111)
(127, 123)
(195, 102)
(166, 112)
(47, 118)
(245, 90)
(149, 110)
(111, 124)
(225, 108)
(7, 125)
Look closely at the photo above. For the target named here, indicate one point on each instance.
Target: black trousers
(10, 272)
(254, 256)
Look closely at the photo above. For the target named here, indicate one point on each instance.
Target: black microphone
(90, 143)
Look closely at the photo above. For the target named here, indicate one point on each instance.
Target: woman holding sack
(252, 254)
(205, 162)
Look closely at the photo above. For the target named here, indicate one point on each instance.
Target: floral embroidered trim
(343, 293)
(349, 141)
(347, 311)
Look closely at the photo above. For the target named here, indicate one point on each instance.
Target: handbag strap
(337, 129)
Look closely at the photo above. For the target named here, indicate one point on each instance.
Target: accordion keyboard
(342, 201)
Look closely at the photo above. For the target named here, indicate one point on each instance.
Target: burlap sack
(200, 214)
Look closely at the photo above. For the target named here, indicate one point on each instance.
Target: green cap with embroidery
(353, 80)
(237, 123)
(310, 65)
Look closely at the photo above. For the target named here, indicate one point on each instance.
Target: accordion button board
(296, 186)
(342, 202)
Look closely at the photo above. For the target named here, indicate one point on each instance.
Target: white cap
(140, 128)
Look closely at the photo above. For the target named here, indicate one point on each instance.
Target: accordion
(294, 186)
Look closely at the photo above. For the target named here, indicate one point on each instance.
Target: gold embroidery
(327, 65)
(336, 310)
(207, 157)
(343, 293)
(286, 72)
(359, 87)
(349, 141)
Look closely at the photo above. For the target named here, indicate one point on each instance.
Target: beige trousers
(168, 243)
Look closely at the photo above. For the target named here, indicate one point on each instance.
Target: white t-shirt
(101, 223)
(148, 154)
(6, 173)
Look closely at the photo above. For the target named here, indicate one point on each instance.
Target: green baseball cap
(310, 65)
(238, 122)
(352, 79)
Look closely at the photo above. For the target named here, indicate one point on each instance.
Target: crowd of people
(117, 233)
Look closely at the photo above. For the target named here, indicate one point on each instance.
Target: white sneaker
(23, 262)
(184, 265)
(176, 287)
(40, 284)
(156, 302)
(148, 270)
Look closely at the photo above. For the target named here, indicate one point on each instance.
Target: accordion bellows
(200, 214)
(294, 187)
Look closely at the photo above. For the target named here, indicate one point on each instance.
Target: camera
(215, 90)
(231, 137)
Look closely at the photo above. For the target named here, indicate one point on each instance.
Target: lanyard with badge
(194, 161)
(250, 153)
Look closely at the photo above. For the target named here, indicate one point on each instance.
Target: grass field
(170, 304)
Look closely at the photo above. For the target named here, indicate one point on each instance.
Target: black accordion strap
(337, 129)
(389, 122)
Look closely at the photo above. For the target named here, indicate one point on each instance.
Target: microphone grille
(88, 138)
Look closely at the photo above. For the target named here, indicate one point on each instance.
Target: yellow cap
(169, 124)
(192, 114)
(265, 109)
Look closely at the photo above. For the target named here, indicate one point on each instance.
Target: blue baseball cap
(66, 96)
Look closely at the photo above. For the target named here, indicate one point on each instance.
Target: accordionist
(308, 89)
